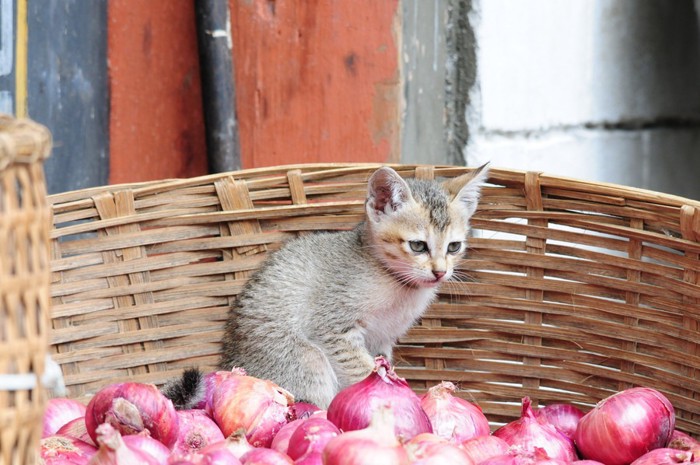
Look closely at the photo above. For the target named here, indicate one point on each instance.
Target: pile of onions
(626, 425)
(530, 434)
(248, 421)
(451, 417)
(353, 407)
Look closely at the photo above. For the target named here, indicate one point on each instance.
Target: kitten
(320, 309)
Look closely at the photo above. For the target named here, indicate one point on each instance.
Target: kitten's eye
(454, 247)
(418, 246)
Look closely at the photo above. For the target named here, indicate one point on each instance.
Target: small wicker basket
(24, 286)
(575, 289)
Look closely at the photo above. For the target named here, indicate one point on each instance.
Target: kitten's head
(418, 229)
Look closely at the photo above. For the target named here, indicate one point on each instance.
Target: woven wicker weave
(575, 290)
(24, 286)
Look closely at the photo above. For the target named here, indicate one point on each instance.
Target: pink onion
(312, 458)
(65, 450)
(145, 443)
(563, 417)
(624, 426)
(236, 444)
(221, 456)
(76, 429)
(132, 408)
(681, 441)
(586, 462)
(263, 456)
(665, 456)
(258, 406)
(114, 451)
(372, 445)
(280, 442)
(481, 448)
(451, 417)
(196, 430)
(529, 434)
(426, 450)
(58, 412)
(311, 436)
(352, 408)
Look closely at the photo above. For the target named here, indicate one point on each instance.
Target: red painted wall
(316, 81)
(156, 121)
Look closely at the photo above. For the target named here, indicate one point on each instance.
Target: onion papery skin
(76, 429)
(114, 451)
(280, 442)
(258, 406)
(132, 408)
(263, 456)
(58, 412)
(484, 447)
(681, 441)
(564, 417)
(311, 436)
(529, 434)
(625, 425)
(352, 408)
(376, 444)
(451, 417)
(666, 456)
(196, 431)
(144, 443)
(437, 453)
(65, 450)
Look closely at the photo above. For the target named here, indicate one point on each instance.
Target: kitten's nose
(438, 274)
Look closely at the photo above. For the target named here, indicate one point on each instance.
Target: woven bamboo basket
(24, 286)
(576, 289)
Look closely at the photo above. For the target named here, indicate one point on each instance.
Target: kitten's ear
(466, 188)
(386, 192)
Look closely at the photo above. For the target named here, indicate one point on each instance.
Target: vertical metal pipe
(218, 89)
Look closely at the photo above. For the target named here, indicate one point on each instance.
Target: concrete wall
(607, 90)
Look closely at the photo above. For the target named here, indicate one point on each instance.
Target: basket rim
(23, 140)
(545, 179)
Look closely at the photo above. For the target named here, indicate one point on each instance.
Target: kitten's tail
(186, 391)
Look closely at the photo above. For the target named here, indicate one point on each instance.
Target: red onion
(563, 417)
(132, 408)
(586, 462)
(263, 456)
(196, 430)
(65, 450)
(76, 429)
(451, 417)
(280, 442)
(529, 434)
(518, 456)
(145, 443)
(626, 425)
(681, 441)
(665, 456)
(428, 451)
(312, 458)
(303, 409)
(114, 451)
(481, 448)
(58, 412)
(376, 444)
(236, 444)
(258, 406)
(219, 457)
(352, 408)
(311, 436)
